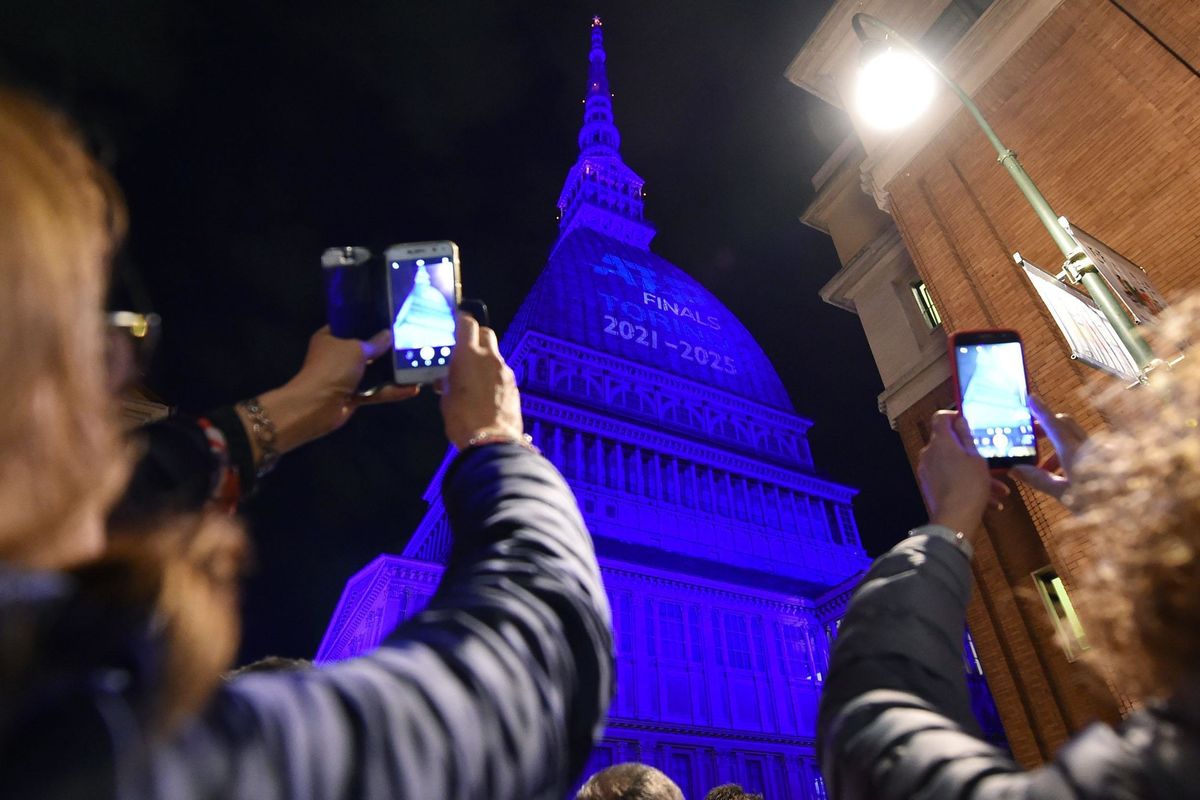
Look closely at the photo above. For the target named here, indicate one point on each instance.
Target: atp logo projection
(659, 311)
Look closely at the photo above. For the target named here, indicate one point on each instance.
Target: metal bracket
(1076, 266)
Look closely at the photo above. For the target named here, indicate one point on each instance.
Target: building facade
(727, 558)
(1100, 99)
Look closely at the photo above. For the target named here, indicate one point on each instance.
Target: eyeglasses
(132, 338)
(138, 326)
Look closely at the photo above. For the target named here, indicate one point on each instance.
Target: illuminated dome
(613, 297)
(725, 554)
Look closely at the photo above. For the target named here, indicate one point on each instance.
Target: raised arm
(895, 719)
(496, 690)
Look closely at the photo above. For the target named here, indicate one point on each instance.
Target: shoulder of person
(1149, 755)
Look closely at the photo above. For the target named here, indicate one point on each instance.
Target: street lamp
(897, 78)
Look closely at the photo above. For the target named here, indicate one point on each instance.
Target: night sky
(250, 136)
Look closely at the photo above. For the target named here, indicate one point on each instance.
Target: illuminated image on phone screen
(995, 399)
(423, 295)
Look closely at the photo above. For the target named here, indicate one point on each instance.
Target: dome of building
(613, 297)
(726, 557)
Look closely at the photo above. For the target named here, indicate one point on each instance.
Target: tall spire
(599, 135)
(600, 192)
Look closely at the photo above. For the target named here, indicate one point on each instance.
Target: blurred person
(895, 720)
(730, 791)
(629, 781)
(496, 690)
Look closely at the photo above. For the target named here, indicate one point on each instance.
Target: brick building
(1101, 99)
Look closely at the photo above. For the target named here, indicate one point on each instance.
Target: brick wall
(1103, 107)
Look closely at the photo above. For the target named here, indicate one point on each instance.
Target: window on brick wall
(926, 305)
(1068, 629)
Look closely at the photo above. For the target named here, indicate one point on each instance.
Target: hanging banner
(1088, 334)
(1128, 281)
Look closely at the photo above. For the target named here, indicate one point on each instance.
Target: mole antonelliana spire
(599, 135)
(601, 192)
(726, 555)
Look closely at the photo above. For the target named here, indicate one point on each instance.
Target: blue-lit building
(727, 558)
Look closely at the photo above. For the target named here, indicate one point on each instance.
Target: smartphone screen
(994, 396)
(423, 288)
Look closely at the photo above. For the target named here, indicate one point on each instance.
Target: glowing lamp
(896, 83)
(894, 87)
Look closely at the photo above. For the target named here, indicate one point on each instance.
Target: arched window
(726, 428)
(577, 385)
(632, 400)
(683, 416)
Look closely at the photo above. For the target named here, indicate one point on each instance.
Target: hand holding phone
(993, 395)
(424, 291)
(954, 480)
(1053, 476)
(356, 306)
(482, 395)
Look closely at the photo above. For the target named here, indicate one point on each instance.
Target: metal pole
(1077, 264)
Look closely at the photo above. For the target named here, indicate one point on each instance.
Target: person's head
(60, 220)
(730, 791)
(1138, 490)
(629, 781)
(178, 582)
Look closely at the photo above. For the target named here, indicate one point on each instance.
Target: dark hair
(629, 781)
(730, 791)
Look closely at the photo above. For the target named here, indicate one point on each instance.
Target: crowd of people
(120, 560)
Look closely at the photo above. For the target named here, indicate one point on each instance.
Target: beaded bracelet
(494, 437)
(263, 431)
(956, 538)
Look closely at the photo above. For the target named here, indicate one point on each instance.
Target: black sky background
(250, 136)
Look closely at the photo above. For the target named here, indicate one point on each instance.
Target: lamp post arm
(1077, 264)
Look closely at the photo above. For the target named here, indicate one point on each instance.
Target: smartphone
(356, 303)
(993, 395)
(424, 289)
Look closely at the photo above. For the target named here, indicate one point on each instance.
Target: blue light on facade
(727, 559)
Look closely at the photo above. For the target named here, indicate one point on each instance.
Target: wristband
(226, 487)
